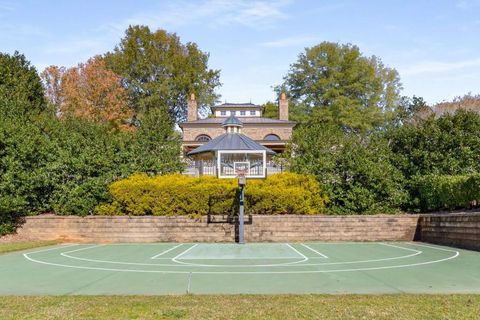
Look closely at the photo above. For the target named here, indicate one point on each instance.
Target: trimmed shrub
(438, 192)
(182, 195)
(288, 193)
(472, 186)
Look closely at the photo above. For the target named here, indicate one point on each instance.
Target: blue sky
(435, 45)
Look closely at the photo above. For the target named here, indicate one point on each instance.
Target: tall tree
(88, 91)
(20, 83)
(339, 83)
(355, 171)
(52, 82)
(161, 72)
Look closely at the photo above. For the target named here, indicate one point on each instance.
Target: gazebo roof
(232, 121)
(230, 141)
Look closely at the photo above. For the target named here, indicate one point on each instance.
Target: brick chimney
(192, 109)
(283, 107)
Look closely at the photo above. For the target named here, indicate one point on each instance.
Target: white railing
(209, 168)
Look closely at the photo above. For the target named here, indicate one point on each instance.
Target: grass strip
(17, 246)
(213, 307)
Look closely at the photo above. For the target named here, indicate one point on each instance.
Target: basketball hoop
(241, 175)
(241, 172)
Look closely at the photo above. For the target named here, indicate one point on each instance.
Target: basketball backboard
(250, 163)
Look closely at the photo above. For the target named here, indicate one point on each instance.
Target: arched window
(203, 138)
(271, 137)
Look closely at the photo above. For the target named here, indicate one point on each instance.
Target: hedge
(65, 166)
(439, 192)
(140, 194)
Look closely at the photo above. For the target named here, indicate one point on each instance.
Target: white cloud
(255, 14)
(212, 13)
(438, 67)
(290, 42)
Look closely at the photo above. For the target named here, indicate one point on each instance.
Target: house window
(242, 113)
(271, 137)
(223, 113)
(203, 138)
(252, 112)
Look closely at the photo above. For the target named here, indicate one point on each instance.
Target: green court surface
(272, 268)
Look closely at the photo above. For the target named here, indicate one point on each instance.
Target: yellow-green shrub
(182, 195)
(287, 192)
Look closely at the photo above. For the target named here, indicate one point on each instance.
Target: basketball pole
(241, 183)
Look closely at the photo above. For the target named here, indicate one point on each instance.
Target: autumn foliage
(468, 102)
(88, 91)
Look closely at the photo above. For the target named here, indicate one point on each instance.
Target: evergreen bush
(440, 192)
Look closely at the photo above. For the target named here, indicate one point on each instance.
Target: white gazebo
(232, 152)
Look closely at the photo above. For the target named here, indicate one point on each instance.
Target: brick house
(271, 133)
(245, 126)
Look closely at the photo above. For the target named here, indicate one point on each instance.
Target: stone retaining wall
(458, 230)
(275, 228)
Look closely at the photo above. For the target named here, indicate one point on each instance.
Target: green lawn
(16, 246)
(243, 307)
(235, 306)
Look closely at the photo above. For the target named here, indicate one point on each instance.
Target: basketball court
(276, 268)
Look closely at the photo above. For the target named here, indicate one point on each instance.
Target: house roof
(230, 141)
(232, 121)
(244, 120)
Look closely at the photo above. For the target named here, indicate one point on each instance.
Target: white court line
(248, 258)
(394, 246)
(57, 247)
(81, 249)
(457, 253)
(304, 256)
(168, 250)
(65, 254)
(319, 253)
(236, 266)
(183, 252)
(431, 247)
(187, 264)
(182, 264)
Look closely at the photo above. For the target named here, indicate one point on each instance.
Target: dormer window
(252, 112)
(242, 113)
(223, 113)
